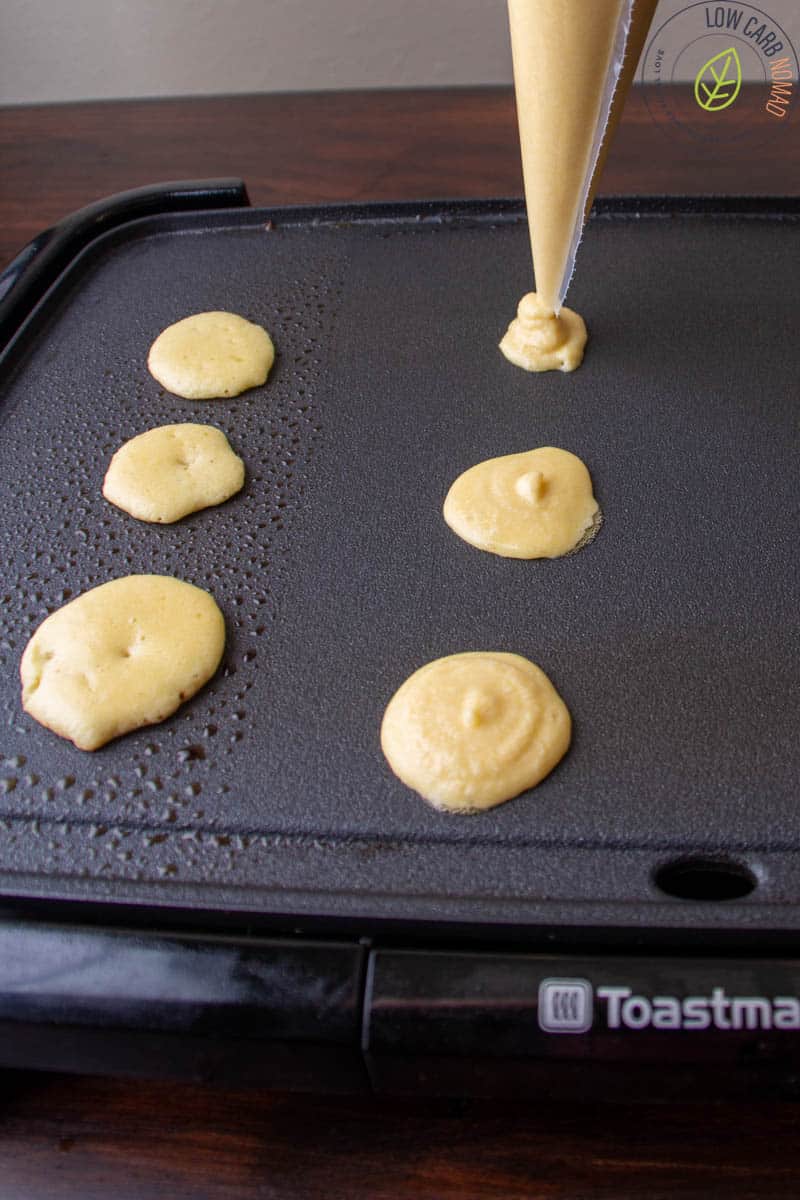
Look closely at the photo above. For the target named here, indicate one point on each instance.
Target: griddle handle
(26, 279)
(274, 1010)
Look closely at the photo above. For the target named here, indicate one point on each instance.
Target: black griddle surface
(673, 637)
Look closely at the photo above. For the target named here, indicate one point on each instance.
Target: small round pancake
(211, 355)
(169, 472)
(472, 730)
(538, 504)
(123, 655)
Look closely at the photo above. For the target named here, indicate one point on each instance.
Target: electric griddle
(246, 892)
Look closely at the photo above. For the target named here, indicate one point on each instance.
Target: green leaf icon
(718, 81)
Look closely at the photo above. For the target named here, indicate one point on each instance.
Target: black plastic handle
(25, 280)
(277, 1011)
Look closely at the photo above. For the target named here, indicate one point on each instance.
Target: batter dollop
(539, 340)
(125, 654)
(538, 504)
(211, 355)
(472, 730)
(168, 472)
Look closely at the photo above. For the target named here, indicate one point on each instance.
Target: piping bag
(574, 61)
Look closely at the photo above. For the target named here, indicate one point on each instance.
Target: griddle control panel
(596, 1027)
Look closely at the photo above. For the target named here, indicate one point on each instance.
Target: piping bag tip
(572, 69)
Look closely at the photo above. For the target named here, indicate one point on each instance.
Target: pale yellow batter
(169, 472)
(538, 340)
(573, 64)
(472, 730)
(538, 504)
(211, 355)
(123, 655)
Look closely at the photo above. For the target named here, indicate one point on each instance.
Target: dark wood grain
(70, 1137)
(93, 1139)
(307, 148)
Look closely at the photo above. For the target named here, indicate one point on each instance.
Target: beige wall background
(58, 50)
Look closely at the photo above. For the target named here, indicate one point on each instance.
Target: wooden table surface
(348, 146)
(69, 1136)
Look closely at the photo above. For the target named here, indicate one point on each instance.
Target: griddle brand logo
(721, 73)
(568, 1006)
